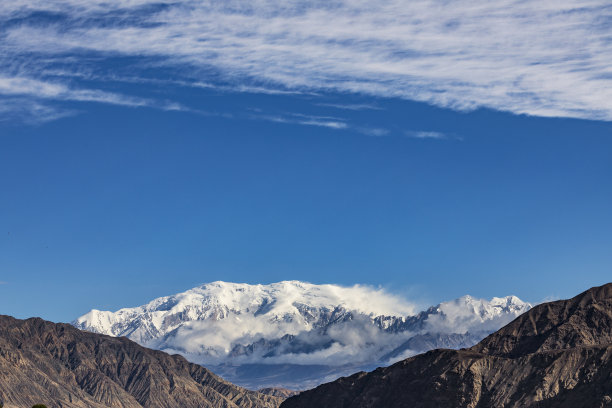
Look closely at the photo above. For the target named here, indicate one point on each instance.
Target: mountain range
(298, 335)
(60, 366)
(557, 355)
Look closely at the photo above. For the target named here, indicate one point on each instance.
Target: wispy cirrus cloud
(547, 58)
(330, 122)
(424, 134)
(350, 106)
(301, 119)
(30, 111)
(27, 99)
(19, 86)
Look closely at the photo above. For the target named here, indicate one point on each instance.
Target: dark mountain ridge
(61, 366)
(585, 320)
(558, 354)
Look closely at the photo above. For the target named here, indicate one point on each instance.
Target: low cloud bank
(300, 323)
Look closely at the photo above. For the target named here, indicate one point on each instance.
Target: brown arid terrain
(60, 366)
(557, 355)
(278, 392)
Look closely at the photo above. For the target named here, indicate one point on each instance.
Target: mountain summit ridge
(227, 325)
(282, 300)
(217, 300)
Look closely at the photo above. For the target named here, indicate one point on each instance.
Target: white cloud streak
(426, 135)
(30, 111)
(18, 86)
(350, 106)
(28, 99)
(546, 58)
(319, 121)
(308, 120)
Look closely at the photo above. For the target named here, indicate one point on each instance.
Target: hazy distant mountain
(60, 366)
(296, 334)
(557, 355)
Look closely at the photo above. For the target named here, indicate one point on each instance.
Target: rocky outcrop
(583, 321)
(61, 366)
(278, 392)
(558, 354)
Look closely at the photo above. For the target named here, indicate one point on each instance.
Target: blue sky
(435, 149)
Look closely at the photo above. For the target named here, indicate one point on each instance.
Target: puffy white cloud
(356, 341)
(468, 314)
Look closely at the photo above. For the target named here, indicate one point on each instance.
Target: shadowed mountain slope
(585, 320)
(61, 366)
(278, 392)
(558, 354)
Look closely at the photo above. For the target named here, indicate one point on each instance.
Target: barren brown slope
(557, 355)
(60, 366)
(585, 320)
(278, 392)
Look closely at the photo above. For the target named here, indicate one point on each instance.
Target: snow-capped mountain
(237, 328)
(290, 306)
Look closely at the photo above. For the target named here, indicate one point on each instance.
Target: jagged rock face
(243, 331)
(58, 365)
(278, 392)
(585, 320)
(557, 355)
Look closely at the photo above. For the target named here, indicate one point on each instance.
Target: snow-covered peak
(298, 304)
(467, 314)
(281, 297)
(293, 322)
(486, 308)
